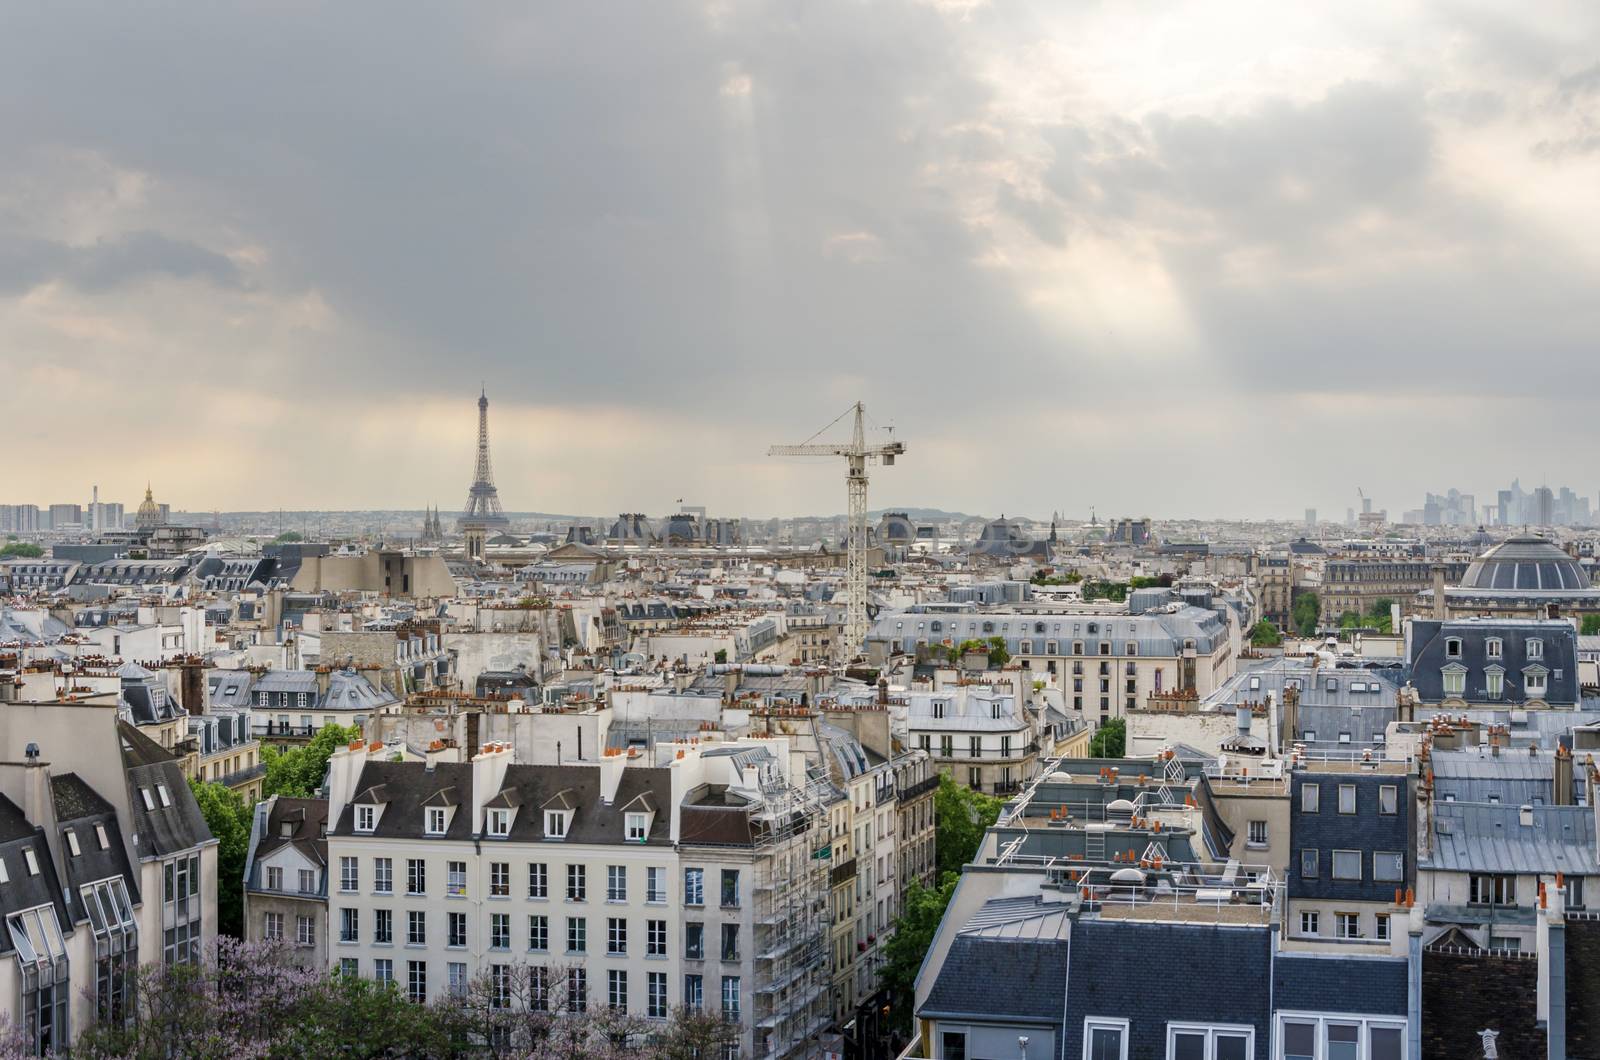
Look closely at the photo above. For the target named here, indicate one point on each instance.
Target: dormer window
(100, 834)
(1455, 680)
(1492, 647)
(366, 818)
(938, 710)
(1452, 648)
(500, 822)
(149, 803)
(1535, 649)
(638, 827)
(32, 861)
(166, 796)
(555, 824)
(5, 873)
(72, 842)
(994, 709)
(436, 819)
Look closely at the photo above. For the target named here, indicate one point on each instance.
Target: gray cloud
(762, 211)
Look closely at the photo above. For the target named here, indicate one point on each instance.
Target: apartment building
(106, 864)
(695, 882)
(286, 877)
(980, 735)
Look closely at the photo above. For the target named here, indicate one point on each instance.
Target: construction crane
(856, 453)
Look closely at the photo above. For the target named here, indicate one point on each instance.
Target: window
(457, 972)
(1388, 799)
(1381, 927)
(1574, 894)
(730, 996)
(555, 824)
(1310, 797)
(1533, 684)
(272, 926)
(953, 1045)
(577, 935)
(655, 938)
(436, 820)
(616, 936)
(730, 888)
(637, 827)
(1492, 647)
(416, 927)
(349, 925)
(500, 931)
(577, 990)
(694, 886)
(1347, 798)
(577, 883)
(366, 817)
(383, 875)
(694, 940)
(166, 796)
(72, 842)
(655, 884)
(100, 834)
(350, 966)
(1495, 683)
(1535, 648)
(383, 926)
(1494, 890)
(730, 942)
(974, 747)
(1452, 648)
(499, 822)
(274, 878)
(538, 932)
(1308, 864)
(938, 710)
(1347, 864)
(1105, 1039)
(499, 879)
(1388, 867)
(947, 746)
(455, 879)
(616, 883)
(538, 880)
(1310, 923)
(1311, 1037)
(455, 929)
(383, 970)
(1256, 836)
(417, 981)
(416, 876)
(1347, 925)
(1187, 1041)
(656, 995)
(694, 992)
(1455, 682)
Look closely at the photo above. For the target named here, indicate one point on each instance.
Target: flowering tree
(252, 1001)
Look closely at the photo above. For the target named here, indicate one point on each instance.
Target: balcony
(279, 731)
(244, 776)
(842, 873)
(921, 787)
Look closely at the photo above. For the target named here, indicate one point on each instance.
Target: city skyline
(1098, 250)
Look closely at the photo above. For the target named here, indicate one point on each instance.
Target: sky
(1173, 258)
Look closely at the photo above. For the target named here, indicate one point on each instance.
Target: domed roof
(1526, 563)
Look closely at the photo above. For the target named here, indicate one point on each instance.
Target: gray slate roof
(1478, 837)
(1001, 979)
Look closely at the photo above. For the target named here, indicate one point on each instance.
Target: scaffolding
(791, 895)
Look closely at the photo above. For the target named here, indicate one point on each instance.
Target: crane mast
(856, 454)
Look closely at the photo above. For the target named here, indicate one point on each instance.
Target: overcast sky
(1169, 258)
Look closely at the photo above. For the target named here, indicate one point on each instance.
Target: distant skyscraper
(1544, 506)
(1311, 517)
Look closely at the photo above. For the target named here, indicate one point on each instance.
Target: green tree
(288, 537)
(229, 820)
(21, 550)
(914, 932)
(1265, 635)
(960, 817)
(300, 771)
(1305, 612)
(1591, 625)
(1110, 740)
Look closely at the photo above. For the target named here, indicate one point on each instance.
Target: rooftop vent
(1526, 815)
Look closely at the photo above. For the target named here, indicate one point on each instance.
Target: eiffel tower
(483, 500)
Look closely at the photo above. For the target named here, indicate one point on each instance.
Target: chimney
(883, 693)
(324, 676)
(1438, 592)
(613, 760)
(488, 775)
(1241, 717)
(1562, 796)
